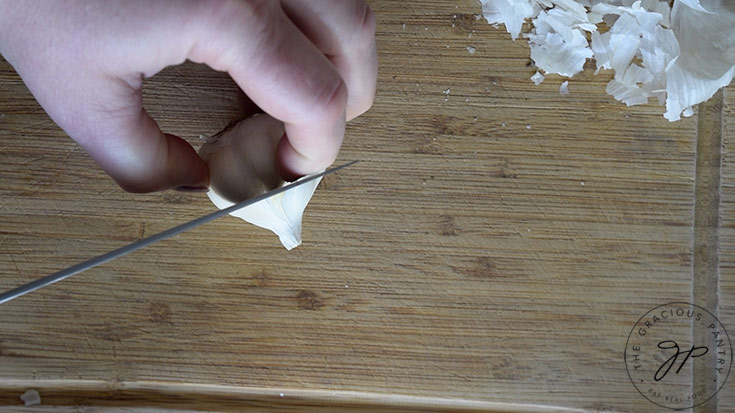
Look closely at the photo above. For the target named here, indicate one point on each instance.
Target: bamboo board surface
(491, 251)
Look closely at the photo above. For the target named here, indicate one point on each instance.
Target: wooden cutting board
(491, 251)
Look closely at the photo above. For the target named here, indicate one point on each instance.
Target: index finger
(344, 30)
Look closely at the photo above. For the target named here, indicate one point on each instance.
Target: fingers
(311, 66)
(285, 74)
(344, 30)
(144, 159)
(84, 63)
(133, 150)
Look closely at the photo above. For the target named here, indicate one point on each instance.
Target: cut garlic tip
(281, 213)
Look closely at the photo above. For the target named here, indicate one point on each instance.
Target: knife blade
(101, 259)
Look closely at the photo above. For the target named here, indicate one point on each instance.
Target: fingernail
(187, 188)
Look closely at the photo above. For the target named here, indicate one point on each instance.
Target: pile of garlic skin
(680, 56)
(241, 161)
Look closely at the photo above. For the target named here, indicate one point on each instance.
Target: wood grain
(706, 235)
(490, 252)
(726, 291)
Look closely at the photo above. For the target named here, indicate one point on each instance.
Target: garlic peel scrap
(31, 398)
(511, 13)
(241, 161)
(537, 78)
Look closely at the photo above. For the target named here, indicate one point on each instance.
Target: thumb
(141, 158)
(89, 81)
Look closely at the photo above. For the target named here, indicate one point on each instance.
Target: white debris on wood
(537, 78)
(558, 41)
(31, 398)
(512, 13)
(680, 56)
(471, 49)
(564, 88)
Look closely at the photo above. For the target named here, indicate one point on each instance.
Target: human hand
(309, 63)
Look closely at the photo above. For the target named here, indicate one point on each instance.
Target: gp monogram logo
(678, 355)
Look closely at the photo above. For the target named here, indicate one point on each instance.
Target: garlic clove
(241, 158)
(241, 161)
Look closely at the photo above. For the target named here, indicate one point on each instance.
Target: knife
(101, 259)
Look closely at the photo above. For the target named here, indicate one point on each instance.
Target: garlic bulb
(241, 161)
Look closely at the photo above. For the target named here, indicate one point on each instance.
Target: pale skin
(309, 63)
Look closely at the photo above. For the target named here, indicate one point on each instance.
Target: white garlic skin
(705, 30)
(241, 161)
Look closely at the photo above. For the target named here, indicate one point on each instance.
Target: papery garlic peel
(680, 57)
(241, 161)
